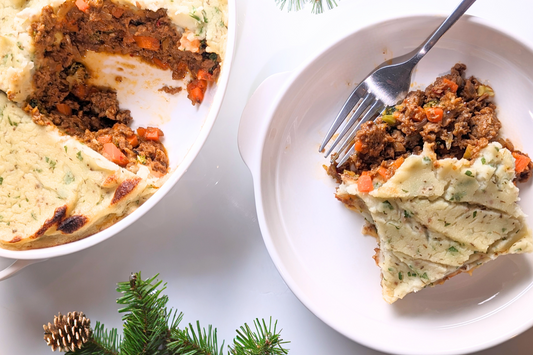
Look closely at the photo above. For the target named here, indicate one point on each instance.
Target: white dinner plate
(316, 242)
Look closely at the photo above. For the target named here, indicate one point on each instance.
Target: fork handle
(445, 26)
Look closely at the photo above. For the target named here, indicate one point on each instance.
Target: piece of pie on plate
(437, 185)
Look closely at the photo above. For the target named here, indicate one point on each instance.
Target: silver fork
(385, 86)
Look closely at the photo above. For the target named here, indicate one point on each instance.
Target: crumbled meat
(62, 94)
(467, 124)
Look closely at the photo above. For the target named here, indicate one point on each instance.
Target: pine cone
(68, 332)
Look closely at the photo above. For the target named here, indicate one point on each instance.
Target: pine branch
(151, 329)
(265, 341)
(296, 5)
(191, 342)
(146, 316)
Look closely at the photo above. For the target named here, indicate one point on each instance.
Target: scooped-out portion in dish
(72, 165)
(436, 184)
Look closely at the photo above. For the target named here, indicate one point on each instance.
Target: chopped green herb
(78, 155)
(11, 123)
(21, 47)
(469, 173)
(391, 269)
(453, 249)
(388, 204)
(33, 216)
(400, 276)
(427, 159)
(474, 214)
(483, 160)
(68, 178)
(457, 196)
(497, 149)
(424, 276)
(1, 180)
(141, 159)
(446, 224)
(405, 191)
(503, 230)
(66, 148)
(407, 214)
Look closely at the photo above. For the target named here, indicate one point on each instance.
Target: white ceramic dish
(316, 242)
(186, 128)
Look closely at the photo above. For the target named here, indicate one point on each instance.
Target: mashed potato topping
(436, 218)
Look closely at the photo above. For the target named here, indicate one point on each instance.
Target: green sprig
(296, 5)
(151, 328)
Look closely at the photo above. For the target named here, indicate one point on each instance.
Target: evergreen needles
(318, 5)
(152, 329)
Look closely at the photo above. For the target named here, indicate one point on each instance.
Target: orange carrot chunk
(196, 90)
(398, 162)
(114, 154)
(105, 139)
(153, 134)
(451, 85)
(147, 42)
(358, 146)
(383, 172)
(64, 109)
(434, 114)
(82, 5)
(204, 75)
(521, 162)
(141, 131)
(133, 140)
(364, 183)
(161, 64)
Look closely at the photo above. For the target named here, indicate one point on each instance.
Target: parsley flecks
(405, 191)
(427, 159)
(66, 148)
(474, 214)
(33, 216)
(390, 269)
(400, 276)
(503, 229)
(453, 249)
(424, 276)
(78, 155)
(407, 214)
(483, 160)
(1, 180)
(68, 178)
(446, 224)
(388, 204)
(469, 173)
(458, 196)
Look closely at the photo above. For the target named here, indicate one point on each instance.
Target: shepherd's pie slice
(437, 218)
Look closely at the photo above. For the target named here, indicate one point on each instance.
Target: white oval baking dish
(317, 244)
(185, 134)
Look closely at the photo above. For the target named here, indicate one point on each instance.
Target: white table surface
(203, 237)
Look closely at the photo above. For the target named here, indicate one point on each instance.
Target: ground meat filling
(62, 94)
(454, 113)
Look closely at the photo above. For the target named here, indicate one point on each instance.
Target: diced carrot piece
(153, 134)
(80, 91)
(160, 64)
(141, 131)
(521, 162)
(364, 183)
(398, 162)
(358, 146)
(147, 42)
(204, 75)
(64, 109)
(82, 5)
(114, 154)
(383, 172)
(106, 138)
(196, 90)
(451, 85)
(133, 140)
(434, 114)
